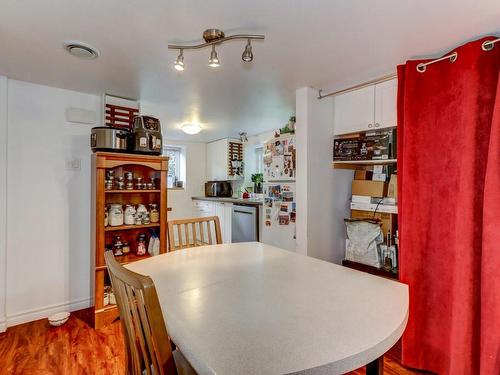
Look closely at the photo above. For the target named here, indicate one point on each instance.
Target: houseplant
(257, 179)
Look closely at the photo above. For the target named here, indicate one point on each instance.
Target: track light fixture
(179, 63)
(247, 53)
(213, 62)
(214, 37)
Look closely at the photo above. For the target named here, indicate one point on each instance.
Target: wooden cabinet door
(386, 104)
(354, 111)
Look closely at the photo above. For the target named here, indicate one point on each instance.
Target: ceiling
(323, 44)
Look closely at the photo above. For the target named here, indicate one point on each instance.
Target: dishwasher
(245, 225)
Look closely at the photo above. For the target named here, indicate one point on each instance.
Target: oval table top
(251, 308)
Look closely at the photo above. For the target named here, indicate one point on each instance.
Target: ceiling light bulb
(213, 62)
(247, 53)
(179, 63)
(191, 128)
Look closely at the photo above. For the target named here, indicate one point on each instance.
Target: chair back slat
(202, 236)
(146, 337)
(209, 231)
(193, 237)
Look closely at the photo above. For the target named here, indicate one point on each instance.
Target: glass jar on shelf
(129, 215)
(154, 213)
(126, 248)
(141, 244)
(115, 215)
(117, 246)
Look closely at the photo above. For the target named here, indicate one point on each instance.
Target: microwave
(218, 189)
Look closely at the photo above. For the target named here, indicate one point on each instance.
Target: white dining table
(251, 308)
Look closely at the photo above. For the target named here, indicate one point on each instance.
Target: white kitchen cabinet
(219, 158)
(368, 108)
(354, 111)
(386, 114)
(223, 210)
(203, 208)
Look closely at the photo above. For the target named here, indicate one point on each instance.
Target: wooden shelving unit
(102, 237)
(371, 270)
(130, 227)
(381, 210)
(235, 153)
(361, 164)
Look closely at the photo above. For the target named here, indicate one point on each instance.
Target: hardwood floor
(76, 349)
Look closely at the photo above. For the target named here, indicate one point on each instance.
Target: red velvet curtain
(449, 189)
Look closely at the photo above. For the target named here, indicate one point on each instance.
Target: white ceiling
(324, 44)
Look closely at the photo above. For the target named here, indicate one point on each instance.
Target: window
(174, 165)
(259, 154)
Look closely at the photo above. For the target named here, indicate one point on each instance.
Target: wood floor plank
(77, 349)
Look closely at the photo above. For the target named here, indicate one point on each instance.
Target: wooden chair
(146, 337)
(194, 234)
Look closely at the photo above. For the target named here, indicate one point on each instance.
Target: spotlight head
(247, 55)
(179, 62)
(213, 62)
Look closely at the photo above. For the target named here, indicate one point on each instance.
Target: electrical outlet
(74, 164)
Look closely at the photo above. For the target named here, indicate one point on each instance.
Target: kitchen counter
(256, 202)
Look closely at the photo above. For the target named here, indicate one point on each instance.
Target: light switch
(74, 164)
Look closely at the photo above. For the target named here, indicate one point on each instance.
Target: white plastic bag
(363, 238)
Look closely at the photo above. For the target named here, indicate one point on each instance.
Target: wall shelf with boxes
(374, 203)
(370, 151)
(365, 140)
(129, 202)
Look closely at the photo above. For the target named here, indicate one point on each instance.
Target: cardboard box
(379, 177)
(369, 188)
(389, 221)
(363, 175)
(361, 199)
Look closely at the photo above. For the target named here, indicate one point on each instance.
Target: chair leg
(376, 367)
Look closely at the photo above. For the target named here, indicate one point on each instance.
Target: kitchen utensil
(107, 138)
(147, 137)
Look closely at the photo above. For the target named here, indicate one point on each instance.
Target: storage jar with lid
(115, 215)
(154, 213)
(141, 244)
(129, 215)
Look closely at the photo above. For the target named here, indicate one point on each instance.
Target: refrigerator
(279, 208)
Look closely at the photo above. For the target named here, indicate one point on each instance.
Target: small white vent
(81, 50)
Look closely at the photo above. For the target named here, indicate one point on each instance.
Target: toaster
(147, 137)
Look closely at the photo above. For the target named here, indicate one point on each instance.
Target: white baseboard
(3, 326)
(43, 312)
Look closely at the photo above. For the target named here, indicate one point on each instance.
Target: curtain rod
(358, 86)
(486, 46)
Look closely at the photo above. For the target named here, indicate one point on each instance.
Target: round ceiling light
(81, 50)
(191, 128)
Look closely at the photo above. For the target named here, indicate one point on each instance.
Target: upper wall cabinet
(225, 160)
(372, 107)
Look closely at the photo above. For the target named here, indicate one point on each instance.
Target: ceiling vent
(81, 50)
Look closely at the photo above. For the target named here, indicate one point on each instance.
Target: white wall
(3, 197)
(301, 180)
(322, 193)
(48, 205)
(180, 200)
